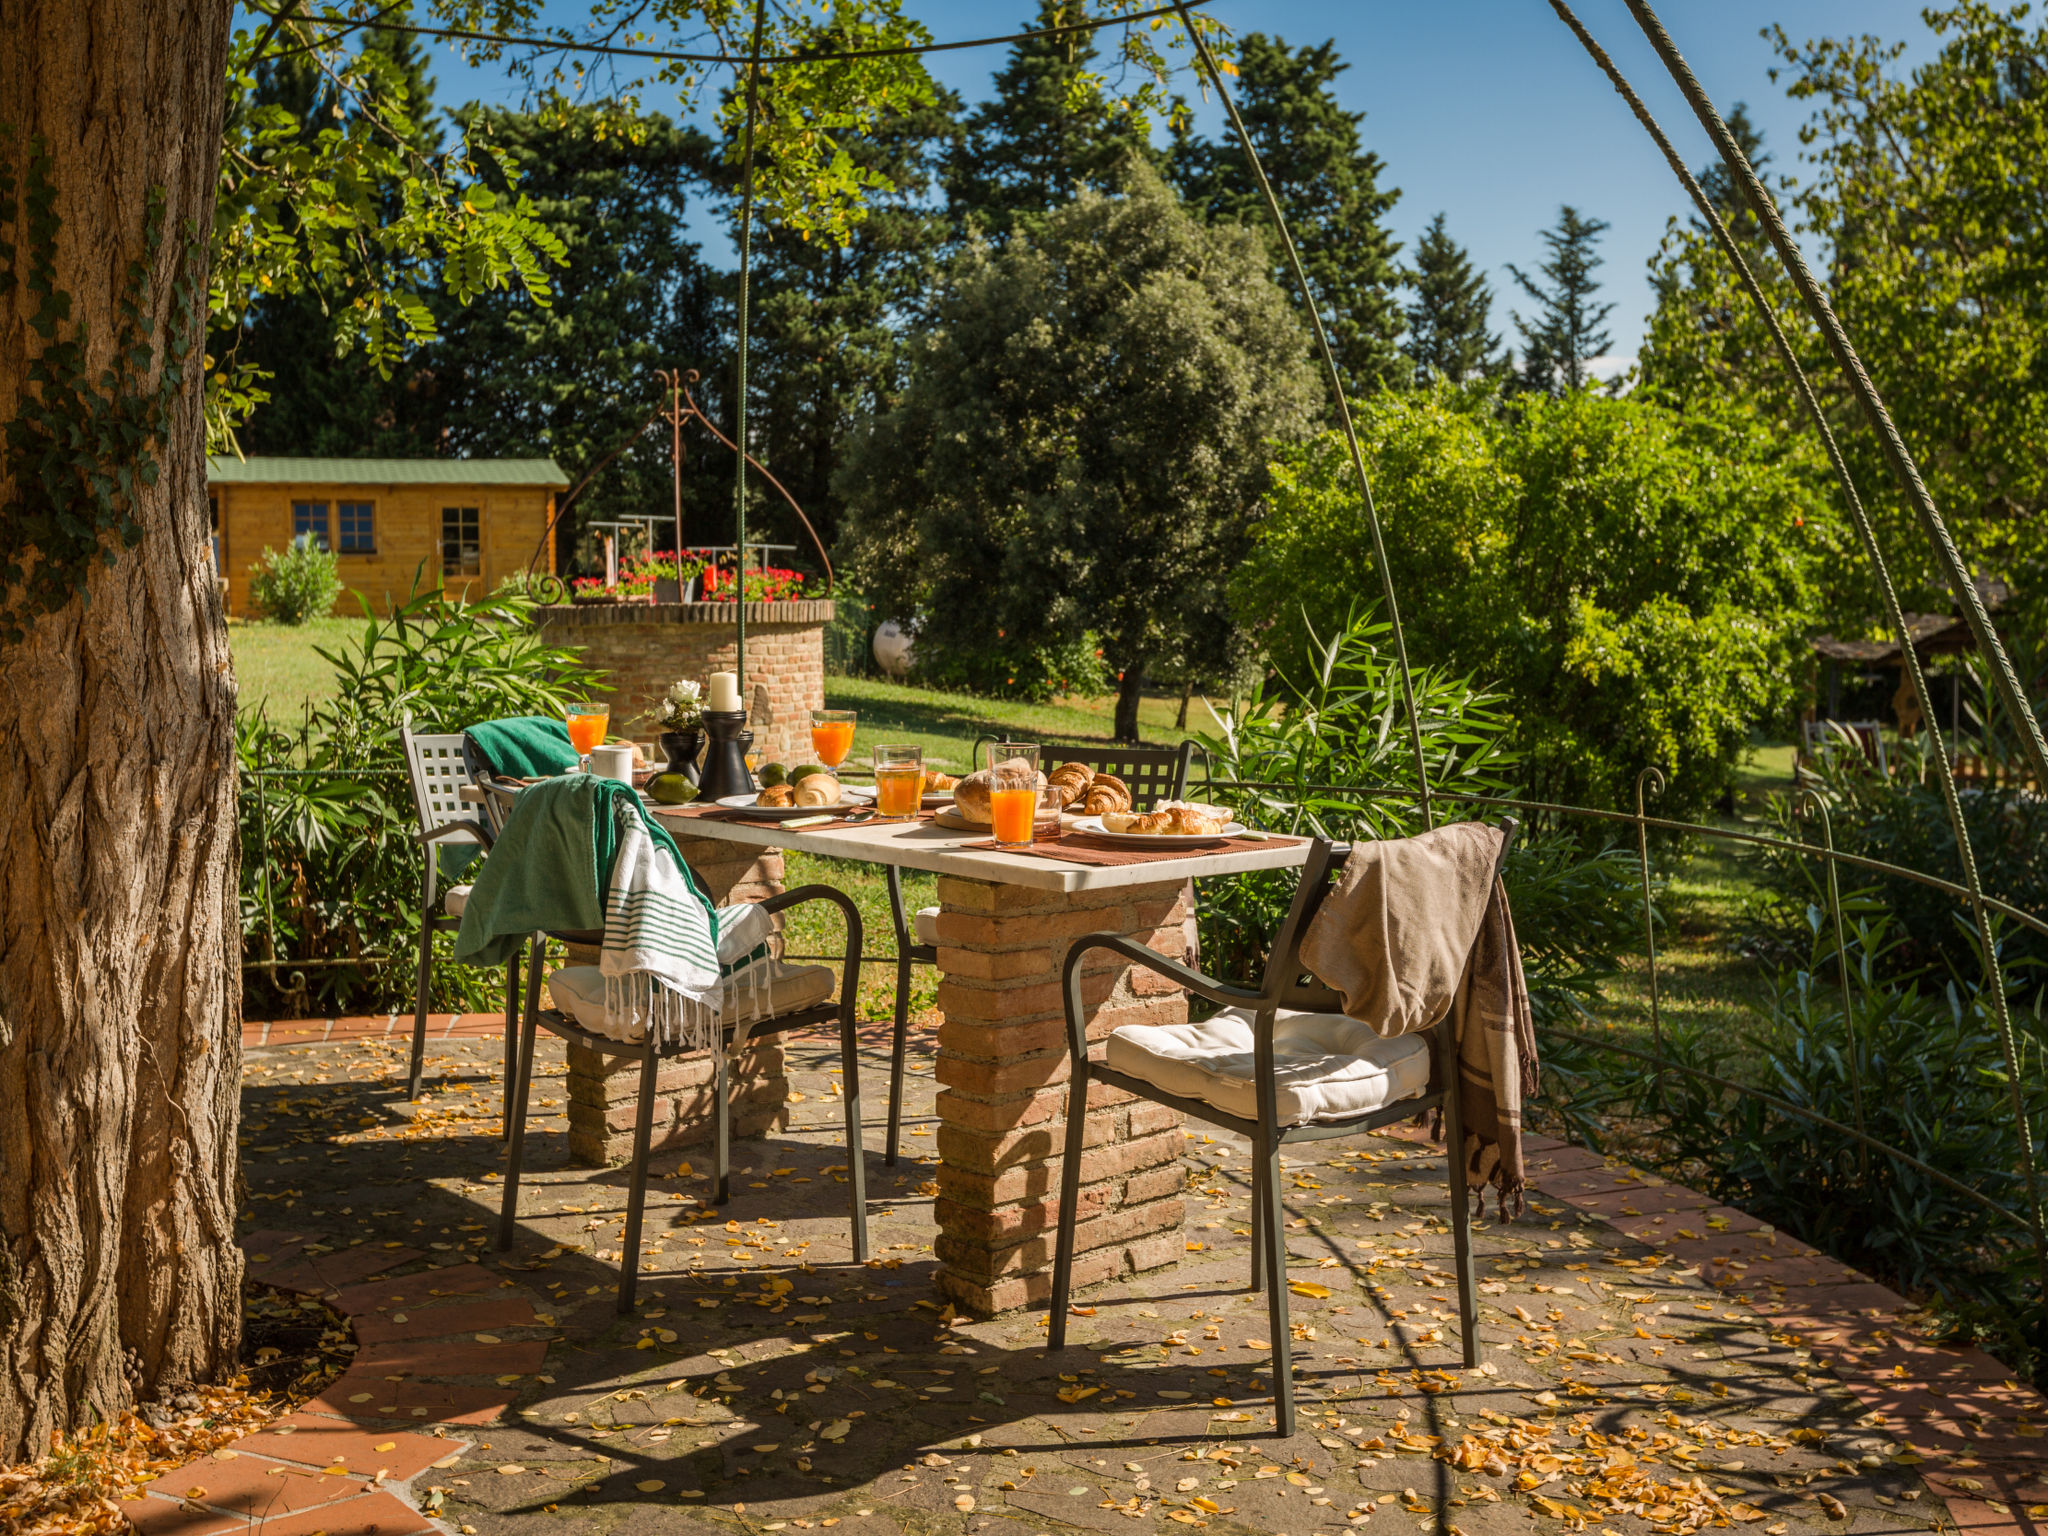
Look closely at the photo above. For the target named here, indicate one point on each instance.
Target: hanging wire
(739, 493)
(1760, 199)
(1329, 357)
(344, 26)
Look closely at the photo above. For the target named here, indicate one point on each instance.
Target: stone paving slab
(767, 1384)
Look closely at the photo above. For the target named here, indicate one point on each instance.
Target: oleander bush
(330, 883)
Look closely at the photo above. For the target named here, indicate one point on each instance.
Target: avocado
(671, 789)
(799, 774)
(772, 774)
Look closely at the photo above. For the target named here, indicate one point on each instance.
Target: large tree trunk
(120, 1053)
(1130, 689)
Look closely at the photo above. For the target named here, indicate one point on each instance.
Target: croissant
(1195, 821)
(1071, 780)
(1106, 792)
(776, 794)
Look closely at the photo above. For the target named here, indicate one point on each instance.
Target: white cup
(613, 760)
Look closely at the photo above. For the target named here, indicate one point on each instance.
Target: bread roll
(818, 789)
(970, 795)
(776, 794)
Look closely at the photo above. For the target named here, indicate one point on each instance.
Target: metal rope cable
(739, 494)
(1845, 354)
(1904, 470)
(1329, 358)
(563, 45)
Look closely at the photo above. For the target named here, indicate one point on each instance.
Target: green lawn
(278, 667)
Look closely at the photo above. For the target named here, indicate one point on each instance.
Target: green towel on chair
(551, 867)
(524, 746)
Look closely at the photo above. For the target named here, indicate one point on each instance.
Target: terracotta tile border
(346, 1463)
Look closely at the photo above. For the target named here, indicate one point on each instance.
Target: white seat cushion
(456, 899)
(1325, 1066)
(578, 990)
(925, 925)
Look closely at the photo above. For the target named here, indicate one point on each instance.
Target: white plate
(785, 812)
(934, 799)
(1092, 825)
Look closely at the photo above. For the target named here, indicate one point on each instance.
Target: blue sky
(1485, 109)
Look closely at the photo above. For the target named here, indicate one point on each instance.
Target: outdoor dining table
(1005, 923)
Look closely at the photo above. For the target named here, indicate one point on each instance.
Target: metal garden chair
(440, 768)
(1384, 1080)
(1154, 774)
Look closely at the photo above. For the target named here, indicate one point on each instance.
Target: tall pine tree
(829, 322)
(1447, 335)
(1565, 334)
(1328, 186)
(1047, 132)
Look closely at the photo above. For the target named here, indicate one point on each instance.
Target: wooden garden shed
(461, 524)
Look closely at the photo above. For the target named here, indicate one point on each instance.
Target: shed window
(461, 542)
(309, 522)
(358, 527)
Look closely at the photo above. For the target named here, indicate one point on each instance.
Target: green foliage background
(1633, 580)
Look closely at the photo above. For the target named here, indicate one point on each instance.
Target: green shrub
(1903, 819)
(330, 870)
(300, 584)
(1635, 583)
(1004, 667)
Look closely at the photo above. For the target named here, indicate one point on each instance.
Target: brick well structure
(1002, 1067)
(643, 647)
(604, 1090)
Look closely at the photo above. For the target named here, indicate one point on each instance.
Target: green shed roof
(225, 469)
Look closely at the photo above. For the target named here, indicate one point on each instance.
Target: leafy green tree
(1917, 191)
(1447, 335)
(1328, 185)
(1081, 445)
(1051, 127)
(575, 380)
(1637, 582)
(1565, 334)
(299, 348)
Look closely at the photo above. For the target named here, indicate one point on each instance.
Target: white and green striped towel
(660, 959)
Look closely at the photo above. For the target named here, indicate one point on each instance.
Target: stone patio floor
(1651, 1362)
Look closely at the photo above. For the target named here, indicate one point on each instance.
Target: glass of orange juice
(899, 782)
(587, 724)
(832, 735)
(1013, 787)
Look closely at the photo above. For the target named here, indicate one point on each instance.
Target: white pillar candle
(724, 693)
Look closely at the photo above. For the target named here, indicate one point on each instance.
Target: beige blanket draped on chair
(1417, 930)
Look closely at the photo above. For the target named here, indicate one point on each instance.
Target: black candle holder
(725, 770)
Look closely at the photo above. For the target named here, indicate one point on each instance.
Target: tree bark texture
(1130, 692)
(120, 1011)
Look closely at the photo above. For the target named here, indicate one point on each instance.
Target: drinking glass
(1013, 790)
(899, 781)
(1045, 826)
(587, 723)
(832, 735)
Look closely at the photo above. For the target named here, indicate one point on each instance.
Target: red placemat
(1080, 848)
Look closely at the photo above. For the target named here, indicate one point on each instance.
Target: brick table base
(604, 1090)
(1002, 1064)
